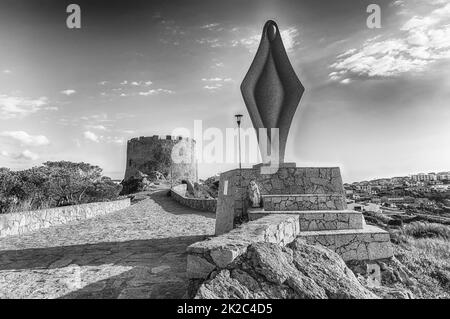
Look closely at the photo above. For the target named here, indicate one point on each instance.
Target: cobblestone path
(138, 252)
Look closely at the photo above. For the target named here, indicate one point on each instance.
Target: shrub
(54, 184)
(426, 230)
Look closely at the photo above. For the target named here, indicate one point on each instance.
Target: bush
(54, 184)
(426, 230)
(428, 259)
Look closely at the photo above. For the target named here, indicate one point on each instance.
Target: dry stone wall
(179, 195)
(370, 243)
(23, 222)
(303, 202)
(320, 220)
(218, 252)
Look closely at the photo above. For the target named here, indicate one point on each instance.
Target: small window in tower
(129, 162)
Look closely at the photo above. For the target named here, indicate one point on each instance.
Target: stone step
(318, 220)
(296, 202)
(368, 243)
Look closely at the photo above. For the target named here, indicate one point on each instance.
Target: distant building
(440, 188)
(421, 177)
(364, 188)
(443, 176)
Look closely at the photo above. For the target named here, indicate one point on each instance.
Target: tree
(54, 184)
(69, 182)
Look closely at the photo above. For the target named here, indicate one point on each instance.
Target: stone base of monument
(315, 195)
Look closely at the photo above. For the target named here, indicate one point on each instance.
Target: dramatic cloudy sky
(376, 101)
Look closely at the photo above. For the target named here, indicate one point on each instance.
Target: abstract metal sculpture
(271, 90)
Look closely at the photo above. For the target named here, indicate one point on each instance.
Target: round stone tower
(173, 156)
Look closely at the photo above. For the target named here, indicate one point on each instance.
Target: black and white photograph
(200, 150)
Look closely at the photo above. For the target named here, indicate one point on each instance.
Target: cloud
(7, 71)
(28, 155)
(97, 127)
(91, 136)
(103, 82)
(156, 92)
(15, 106)
(215, 83)
(127, 131)
(288, 35)
(114, 140)
(24, 155)
(217, 79)
(26, 139)
(213, 87)
(209, 26)
(68, 92)
(419, 42)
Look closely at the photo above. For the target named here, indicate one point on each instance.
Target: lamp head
(238, 118)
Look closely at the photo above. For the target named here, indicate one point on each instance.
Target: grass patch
(426, 230)
(428, 259)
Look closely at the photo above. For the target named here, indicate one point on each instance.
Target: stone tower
(154, 153)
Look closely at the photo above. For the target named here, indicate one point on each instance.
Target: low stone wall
(369, 243)
(179, 195)
(23, 222)
(318, 220)
(218, 252)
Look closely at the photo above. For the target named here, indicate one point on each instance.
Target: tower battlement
(154, 138)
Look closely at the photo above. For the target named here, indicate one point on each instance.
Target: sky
(376, 102)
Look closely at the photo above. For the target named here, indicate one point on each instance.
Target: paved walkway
(138, 252)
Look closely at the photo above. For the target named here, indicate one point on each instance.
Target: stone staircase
(324, 219)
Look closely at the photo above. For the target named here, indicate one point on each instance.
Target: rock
(300, 270)
(198, 267)
(396, 279)
(138, 182)
(254, 194)
(200, 192)
(189, 187)
(211, 185)
(392, 293)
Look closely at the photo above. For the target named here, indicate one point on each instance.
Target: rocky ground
(138, 252)
(299, 270)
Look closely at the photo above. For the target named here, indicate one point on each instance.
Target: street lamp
(238, 121)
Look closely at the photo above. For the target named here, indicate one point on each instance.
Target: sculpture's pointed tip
(270, 29)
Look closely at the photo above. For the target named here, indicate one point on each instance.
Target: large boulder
(299, 270)
(140, 182)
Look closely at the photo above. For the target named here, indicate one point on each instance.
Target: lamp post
(238, 121)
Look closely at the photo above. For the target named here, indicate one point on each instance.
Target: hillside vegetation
(422, 258)
(54, 184)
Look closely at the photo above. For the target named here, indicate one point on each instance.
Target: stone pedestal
(233, 202)
(315, 196)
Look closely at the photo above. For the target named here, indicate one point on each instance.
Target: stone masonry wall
(23, 222)
(218, 252)
(233, 202)
(371, 243)
(320, 220)
(207, 205)
(304, 202)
